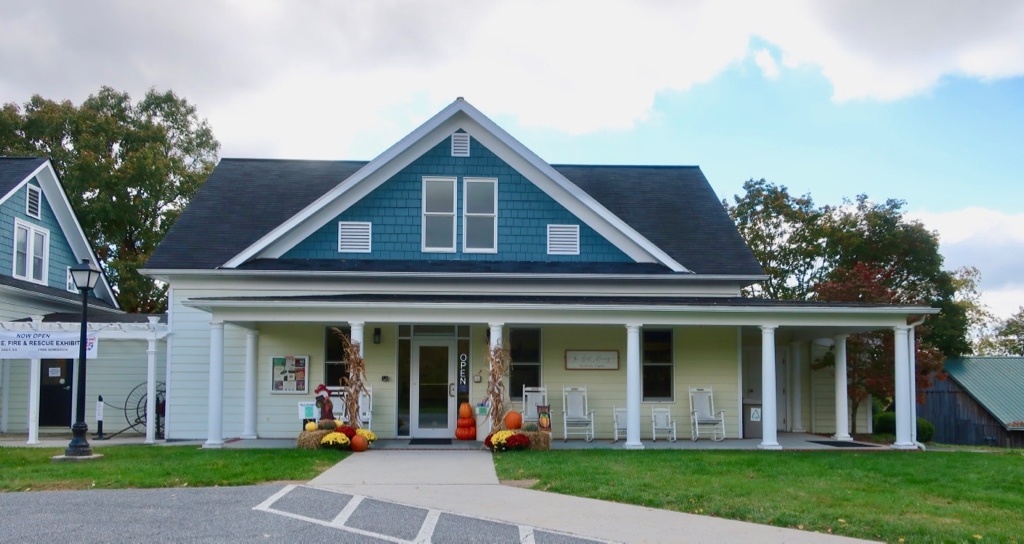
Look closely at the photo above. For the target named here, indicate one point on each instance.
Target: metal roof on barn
(997, 383)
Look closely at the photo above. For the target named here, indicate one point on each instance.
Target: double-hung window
(439, 214)
(480, 208)
(524, 349)
(31, 252)
(657, 365)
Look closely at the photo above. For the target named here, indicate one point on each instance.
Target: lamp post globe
(85, 277)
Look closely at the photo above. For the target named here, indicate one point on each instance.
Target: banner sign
(44, 345)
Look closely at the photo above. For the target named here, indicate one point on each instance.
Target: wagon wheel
(135, 408)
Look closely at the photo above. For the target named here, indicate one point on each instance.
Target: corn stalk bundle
(498, 360)
(352, 384)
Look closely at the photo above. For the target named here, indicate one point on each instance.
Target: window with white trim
(70, 282)
(480, 211)
(33, 201)
(439, 214)
(354, 236)
(524, 349)
(657, 368)
(460, 144)
(31, 252)
(563, 239)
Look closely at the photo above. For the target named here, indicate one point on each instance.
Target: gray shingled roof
(997, 383)
(14, 170)
(244, 199)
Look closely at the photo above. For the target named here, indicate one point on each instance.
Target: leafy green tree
(129, 169)
(1006, 337)
(782, 230)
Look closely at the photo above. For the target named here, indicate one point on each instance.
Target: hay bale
(310, 440)
(539, 440)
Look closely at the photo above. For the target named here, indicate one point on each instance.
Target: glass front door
(432, 389)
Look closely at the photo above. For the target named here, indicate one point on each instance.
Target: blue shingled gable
(395, 211)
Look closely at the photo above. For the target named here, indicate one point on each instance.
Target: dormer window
(480, 226)
(439, 214)
(31, 252)
(33, 199)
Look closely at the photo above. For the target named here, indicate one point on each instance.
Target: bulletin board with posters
(289, 374)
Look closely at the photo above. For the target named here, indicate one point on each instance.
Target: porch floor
(788, 441)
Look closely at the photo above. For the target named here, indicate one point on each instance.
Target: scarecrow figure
(323, 402)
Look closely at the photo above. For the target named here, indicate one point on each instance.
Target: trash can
(752, 421)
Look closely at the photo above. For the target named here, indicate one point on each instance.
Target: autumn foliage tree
(870, 356)
(857, 251)
(128, 168)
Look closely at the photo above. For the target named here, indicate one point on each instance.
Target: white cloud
(989, 240)
(766, 62)
(320, 72)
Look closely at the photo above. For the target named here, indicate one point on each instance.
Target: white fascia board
(855, 320)
(69, 225)
(459, 114)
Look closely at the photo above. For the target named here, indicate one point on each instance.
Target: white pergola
(152, 331)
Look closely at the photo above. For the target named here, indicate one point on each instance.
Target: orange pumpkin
(466, 433)
(467, 422)
(465, 410)
(359, 443)
(513, 420)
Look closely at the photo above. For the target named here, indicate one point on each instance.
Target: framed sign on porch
(289, 374)
(582, 359)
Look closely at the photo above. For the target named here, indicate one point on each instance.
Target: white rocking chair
(702, 414)
(533, 397)
(366, 408)
(661, 420)
(576, 418)
(619, 421)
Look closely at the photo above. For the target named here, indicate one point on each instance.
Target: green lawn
(30, 469)
(890, 496)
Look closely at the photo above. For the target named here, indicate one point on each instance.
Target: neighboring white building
(623, 279)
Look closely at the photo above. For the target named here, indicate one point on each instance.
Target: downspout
(913, 381)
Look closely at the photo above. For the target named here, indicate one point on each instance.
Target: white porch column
(5, 375)
(842, 398)
(151, 382)
(249, 425)
(769, 410)
(796, 388)
(357, 333)
(495, 329)
(33, 400)
(912, 382)
(903, 388)
(633, 391)
(215, 421)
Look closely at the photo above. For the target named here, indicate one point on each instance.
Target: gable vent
(460, 144)
(563, 239)
(33, 200)
(353, 237)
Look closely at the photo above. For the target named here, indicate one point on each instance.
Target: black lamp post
(85, 277)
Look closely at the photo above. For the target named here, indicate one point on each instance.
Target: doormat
(842, 444)
(430, 442)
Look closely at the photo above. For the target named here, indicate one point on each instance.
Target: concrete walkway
(465, 483)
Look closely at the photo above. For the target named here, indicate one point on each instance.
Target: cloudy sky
(919, 100)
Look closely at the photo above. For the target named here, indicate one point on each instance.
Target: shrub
(885, 423)
(925, 430)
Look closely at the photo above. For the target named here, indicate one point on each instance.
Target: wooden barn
(980, 403)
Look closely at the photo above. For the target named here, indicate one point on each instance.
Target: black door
(55, 393)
